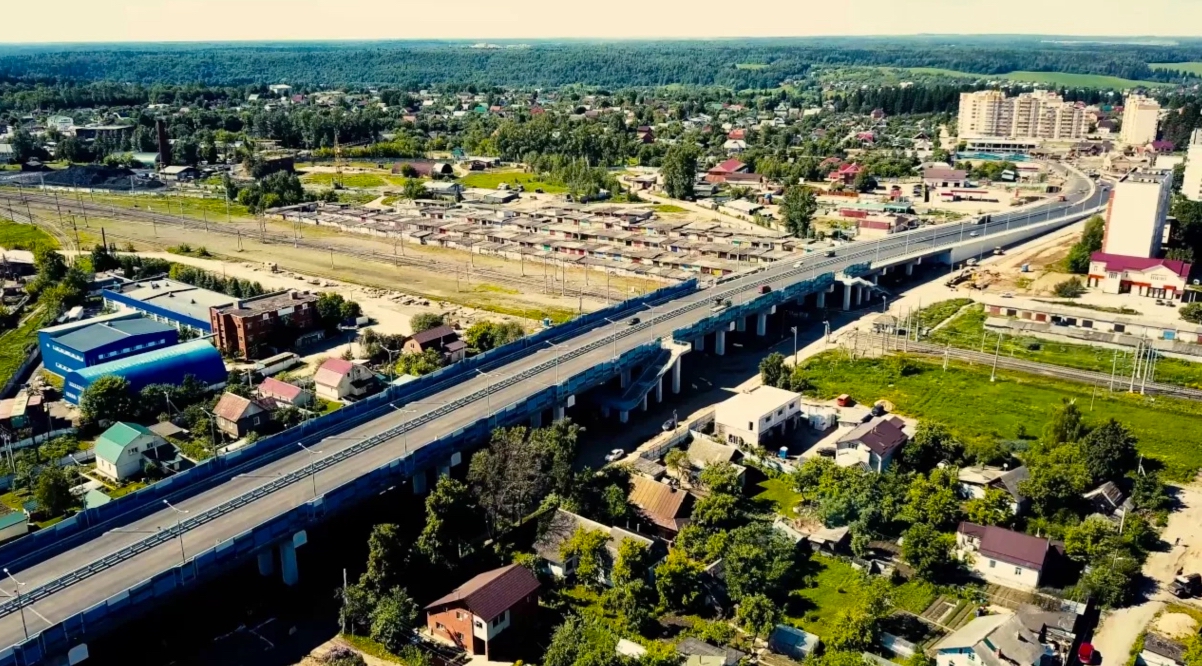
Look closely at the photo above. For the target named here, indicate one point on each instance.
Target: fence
(84, 525)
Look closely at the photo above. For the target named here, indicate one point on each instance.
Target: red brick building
(488, 614)
(253, 326)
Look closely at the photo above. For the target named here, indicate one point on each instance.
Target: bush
(1071, 288)
(341, 655)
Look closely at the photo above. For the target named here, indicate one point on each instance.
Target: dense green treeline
(411, 64)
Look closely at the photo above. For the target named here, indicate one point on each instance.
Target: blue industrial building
(81, 344)
(179, 304)
(162, 366)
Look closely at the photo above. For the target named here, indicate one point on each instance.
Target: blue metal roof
(168, 365)
(87, 338)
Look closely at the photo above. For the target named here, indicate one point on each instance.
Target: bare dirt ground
(1175, 625)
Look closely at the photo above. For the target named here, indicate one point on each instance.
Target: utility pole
(996, 352)
(1114, 364)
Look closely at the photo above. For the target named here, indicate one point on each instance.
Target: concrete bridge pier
(659, 390)
(643, 405)
(821, 302)
(761, 324)
(625, 378)
(909, 269)
(859, 295)
(420, 484)
(741, 324)
(720, 342)
(536, 419)
(699, 343)
(558, 412)
(266, 562)
(876, 277)
(288, 567)
(676, 377)
(846, 297)
(623, 416)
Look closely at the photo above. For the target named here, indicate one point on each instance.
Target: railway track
(14, 203)
(1100, 379)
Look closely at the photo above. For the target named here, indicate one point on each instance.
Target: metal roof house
(169, 365)
(81, 344)
(176, 303)
(119, 450)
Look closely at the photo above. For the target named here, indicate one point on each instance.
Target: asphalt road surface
(492, 391)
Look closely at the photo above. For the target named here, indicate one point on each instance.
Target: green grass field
(14, 342)
(966, 332)
(1048, 78)
(1191, 67)
(836, 586)
(978, 411)
(17, 236)
(348, 179)
(491, 180)
(211, 209)
(668, 208)
(934, 314)
(780, 493)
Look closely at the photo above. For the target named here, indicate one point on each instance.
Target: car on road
(1007, 294)
(634, 321)
(765, 288)
(829, 253)
(974, 234)
(797, 265)
(615, 454)
(720, 305)
(1185, 586)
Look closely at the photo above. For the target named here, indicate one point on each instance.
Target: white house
(757, 415)
(1153, 278)
(976, 480)
(337, 379)
(120, 449)
(1003, 556)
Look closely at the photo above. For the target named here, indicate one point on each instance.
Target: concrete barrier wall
(81, 527)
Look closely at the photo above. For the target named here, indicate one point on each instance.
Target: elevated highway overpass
(116, 569)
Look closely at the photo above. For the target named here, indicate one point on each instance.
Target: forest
(759, 64)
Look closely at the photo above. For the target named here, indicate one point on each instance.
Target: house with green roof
(120, 449)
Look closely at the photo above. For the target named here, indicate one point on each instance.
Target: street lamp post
(794, 329)
(179, 531)
(313, 474)
(20, 604)
(615, 336)
(487, 390)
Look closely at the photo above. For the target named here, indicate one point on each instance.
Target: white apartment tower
(1140, 116)
(1034, 115)
(1191, 187)
(1135, 216)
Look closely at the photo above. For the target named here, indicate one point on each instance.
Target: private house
(444, 339)
(872, 444)
(1161, 651)
(1151, 278)
(937, 177)
(271, 321)
(1003, 556)
(719, 173)
(121, 449)
(284, 393)
(338, 380)
(666, 507)
(976, 480)
(792, 642)
(238, 416)
(1108, 499)
(487, 614)
(564, 524)
(700, 653)
(757, 416)
(1032, 636)
(703, 452)
(13, 525)
(846, 174)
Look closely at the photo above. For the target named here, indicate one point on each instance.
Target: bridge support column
(876, 279)
(821, 299)
(419, 482)
(859, 294)
(623, 416)
(605, 411)
(909, 269)
(536, 419)
(643, 406)
(625, 377)
(699, 343)
(676, 376)
(720, 343)
(761, 324)
(266, 562)
(846, 297)
(288, 568)
(444, 469)
(741, 324)
(557, 412)
(659, 390)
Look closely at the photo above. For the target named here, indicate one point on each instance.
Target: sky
(267, 20)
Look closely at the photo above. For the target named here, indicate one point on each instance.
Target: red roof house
(488, 614)
(1151, 277)
(845, 174)
(719, 173)
(737, 134)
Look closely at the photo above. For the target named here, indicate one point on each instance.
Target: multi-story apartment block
(1140, 116)
(1034, 115)
(1191, 186)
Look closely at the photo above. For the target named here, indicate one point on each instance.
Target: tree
(355, 613)
(991, 509)
(797, 209)
(485, 335)
(417, 365)
(928, 550)
(53, 490)
(677, 461)
(387, 560)
(413, 188)
(853, 629)
(721, 478)
(932, 444)
(578, 642)
(587, 548)
(108, 398)
(392, 619)
(508, 477)
(1093, 540)
(632, 564)
(679, 168)
(331, 307)
(759, 559)
(1067, 424)
(1114, 584)
(932, 499)
(757, 614)
(678, 580)
(425, 321)
(1192, 312)
(1057, 478)
(772, 370)
(717, 511)
(452, 519)
(1110, 451)
(1091, 241)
